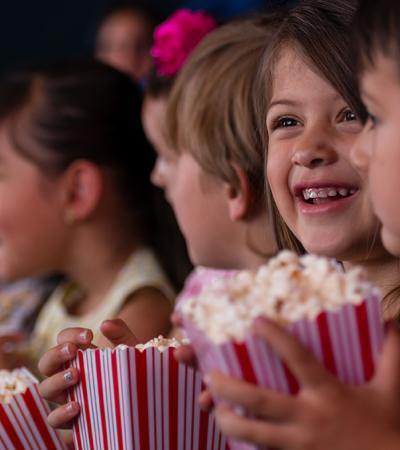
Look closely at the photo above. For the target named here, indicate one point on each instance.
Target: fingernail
(68, 377)
(260, 322)
(84, 336)
(65, 350)
(71, 408)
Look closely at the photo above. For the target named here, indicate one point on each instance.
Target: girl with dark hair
(75, 199)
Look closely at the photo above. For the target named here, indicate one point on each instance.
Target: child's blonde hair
(211, 111)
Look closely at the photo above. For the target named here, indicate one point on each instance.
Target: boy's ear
(239, 197)
(83, 185)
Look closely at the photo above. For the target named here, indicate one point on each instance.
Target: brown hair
(376, 27)
(210, 111)
(320, 31)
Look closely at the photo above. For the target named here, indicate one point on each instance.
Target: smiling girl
(311, 111)
(313, 116)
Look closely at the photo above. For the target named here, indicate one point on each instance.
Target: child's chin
(329, 246)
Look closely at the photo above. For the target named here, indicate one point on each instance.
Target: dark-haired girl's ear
(239, 196)
(83, 186)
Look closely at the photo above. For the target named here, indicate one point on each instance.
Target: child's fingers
(206, 401)
(61, 417)
(185, 354)
(118, 332)
(299, 360)
(388, 371)
(54, 388)
(176, 319)
(251, 430)
(53, 360)
(81, 337)
(260, 401)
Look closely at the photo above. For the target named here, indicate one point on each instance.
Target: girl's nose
(313, 152)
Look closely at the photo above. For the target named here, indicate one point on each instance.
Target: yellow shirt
(141, 270)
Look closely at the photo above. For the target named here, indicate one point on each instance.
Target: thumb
(176, 319)
(387, 376)
(118, 332)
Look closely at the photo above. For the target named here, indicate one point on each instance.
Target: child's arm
(325, 415)
(51, 365)
(147, 311)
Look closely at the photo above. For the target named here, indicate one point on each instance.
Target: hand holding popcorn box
(23, 414)
(140, 399)
(333, 314)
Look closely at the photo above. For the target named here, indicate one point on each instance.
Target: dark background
(47, 30)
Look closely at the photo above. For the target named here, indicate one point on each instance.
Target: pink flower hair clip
(175, 39)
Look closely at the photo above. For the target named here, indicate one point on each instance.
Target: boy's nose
(359, 152)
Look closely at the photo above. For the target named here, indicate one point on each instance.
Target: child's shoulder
(142, 269)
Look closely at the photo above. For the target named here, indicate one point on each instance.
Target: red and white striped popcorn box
(140, 400)
(23, 421)
(347, 342)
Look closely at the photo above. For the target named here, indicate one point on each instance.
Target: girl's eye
(348, 115)
(285, 122)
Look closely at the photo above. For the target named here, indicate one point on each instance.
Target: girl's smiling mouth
(318, 198)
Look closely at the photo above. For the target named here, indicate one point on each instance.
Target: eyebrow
(283, 102)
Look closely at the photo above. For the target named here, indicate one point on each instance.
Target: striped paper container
(347, 342)
(133, 400)
(23, 421)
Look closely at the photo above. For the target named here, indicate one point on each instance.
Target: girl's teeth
(312, 193)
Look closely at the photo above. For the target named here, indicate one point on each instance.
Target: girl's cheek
(273, 173)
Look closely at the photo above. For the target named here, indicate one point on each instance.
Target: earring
(69, 217)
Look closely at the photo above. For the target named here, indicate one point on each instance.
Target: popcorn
(161, 344)
(23, 414)
(287, 289)
(140, 398)
(335, 315)
(13, 383)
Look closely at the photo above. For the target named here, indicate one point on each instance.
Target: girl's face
(199, 201)
(30, 219)
(124, 42)
(320, 194)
